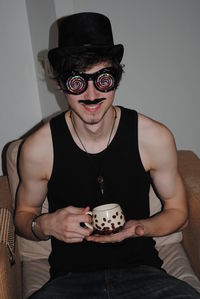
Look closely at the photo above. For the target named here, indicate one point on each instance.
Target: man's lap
(137, 282)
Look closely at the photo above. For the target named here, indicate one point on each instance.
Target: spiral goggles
(77, 82)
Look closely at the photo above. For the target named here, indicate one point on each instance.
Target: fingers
(85, 232)
(113, 238)
(72, 237)
(74, 240)
(73, 224)
(79, 218)
(66, 224)
(131, 229)
(75, 210)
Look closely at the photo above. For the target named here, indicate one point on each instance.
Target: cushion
(35, 275)
(176, 263)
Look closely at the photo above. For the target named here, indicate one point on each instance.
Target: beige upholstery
(34, 255)
(10, 274)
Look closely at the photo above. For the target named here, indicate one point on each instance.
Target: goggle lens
(77, 83)
(105, 82)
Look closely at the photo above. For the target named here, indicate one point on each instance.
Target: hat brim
(116, 51)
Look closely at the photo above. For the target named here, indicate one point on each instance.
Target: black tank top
(74, 182)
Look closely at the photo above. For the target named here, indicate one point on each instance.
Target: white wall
(19, 102)
(41, 15)
(162, 59)
(64, 8)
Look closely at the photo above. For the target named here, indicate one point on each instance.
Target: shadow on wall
(51, 84)
(50, 81)
(48, 72)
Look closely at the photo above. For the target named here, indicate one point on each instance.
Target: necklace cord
(100, 178)
(81, 142)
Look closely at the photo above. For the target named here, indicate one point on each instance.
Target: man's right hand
(65, 224)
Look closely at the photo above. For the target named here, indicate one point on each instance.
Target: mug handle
(88, 224)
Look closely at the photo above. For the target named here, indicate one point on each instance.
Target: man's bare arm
(35, 167)
(168, 183)
(159, 156)
(33, 184)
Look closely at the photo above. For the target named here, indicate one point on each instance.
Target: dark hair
(81, 60)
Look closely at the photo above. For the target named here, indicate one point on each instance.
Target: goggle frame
(84, 77)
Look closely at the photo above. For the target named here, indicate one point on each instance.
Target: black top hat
(85, 31)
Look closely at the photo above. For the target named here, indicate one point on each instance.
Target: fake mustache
(94, 102)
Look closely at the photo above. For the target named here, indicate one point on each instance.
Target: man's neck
(94, 137)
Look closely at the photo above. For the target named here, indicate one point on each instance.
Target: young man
(97, 153)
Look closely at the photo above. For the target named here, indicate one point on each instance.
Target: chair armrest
(189, 165)
(5, 195)
(10, 274)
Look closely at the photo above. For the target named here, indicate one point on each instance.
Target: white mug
(106, 219)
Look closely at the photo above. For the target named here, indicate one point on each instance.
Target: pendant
(101, 183)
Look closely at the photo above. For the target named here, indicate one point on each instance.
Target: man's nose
(91, 91)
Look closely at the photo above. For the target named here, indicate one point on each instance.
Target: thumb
(139, 230)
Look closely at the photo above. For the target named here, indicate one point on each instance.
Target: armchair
(180, 252)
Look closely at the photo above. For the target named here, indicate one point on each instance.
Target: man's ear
(59, 88)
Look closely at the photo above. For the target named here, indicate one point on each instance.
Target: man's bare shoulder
(156, 143)
(37, 150)
(39, 139)
(153, 132)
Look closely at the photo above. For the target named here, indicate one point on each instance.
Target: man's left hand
(132, 228)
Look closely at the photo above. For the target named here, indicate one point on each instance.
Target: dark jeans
(138, 282)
